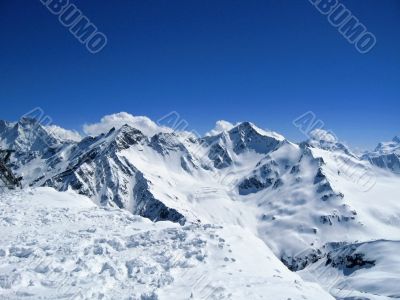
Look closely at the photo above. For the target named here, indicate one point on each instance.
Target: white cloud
(144, 124)
(323, 135)
(64, 134)
(220, 126)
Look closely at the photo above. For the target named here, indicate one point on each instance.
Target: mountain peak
(388, 147)
(128, 128)
(125, 129)
(28, 121)
(127, 136)
(246, 124)
(323, 136)
(4, 126)
(327, 140)
(244, 127)
(248, 127)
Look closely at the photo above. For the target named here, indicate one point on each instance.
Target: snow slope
(58, 245)
(376, 276)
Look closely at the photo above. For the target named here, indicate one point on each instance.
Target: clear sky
(265, 61)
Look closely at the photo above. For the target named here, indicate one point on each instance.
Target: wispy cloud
(144, 124)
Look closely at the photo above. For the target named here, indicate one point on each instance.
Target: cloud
(144, 124)
(220, 126)
(323, 135)
(63, 134)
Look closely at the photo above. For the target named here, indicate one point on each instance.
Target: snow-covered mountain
(316, 205)
(386, 155)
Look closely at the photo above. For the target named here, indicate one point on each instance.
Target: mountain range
(325, 212)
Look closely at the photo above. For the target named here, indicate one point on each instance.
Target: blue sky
(266, 61)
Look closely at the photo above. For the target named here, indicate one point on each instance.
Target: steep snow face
(61, 246)
(359, 271)
(296, 202)
(368, 211)
(361, 185)
(63, 134)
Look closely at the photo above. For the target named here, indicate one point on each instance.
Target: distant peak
(28, 121)
(246, 124)
(250, 127)
(243, 126)
(126, 128)
(4, 123)
(396, 139)
(323, 135)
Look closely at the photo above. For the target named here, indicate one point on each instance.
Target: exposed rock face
(386, 155)
(219, 156)
(102, 174)
(92, 167)
(342, 256)
(246, 136)
(263, 177)
(386, 161)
